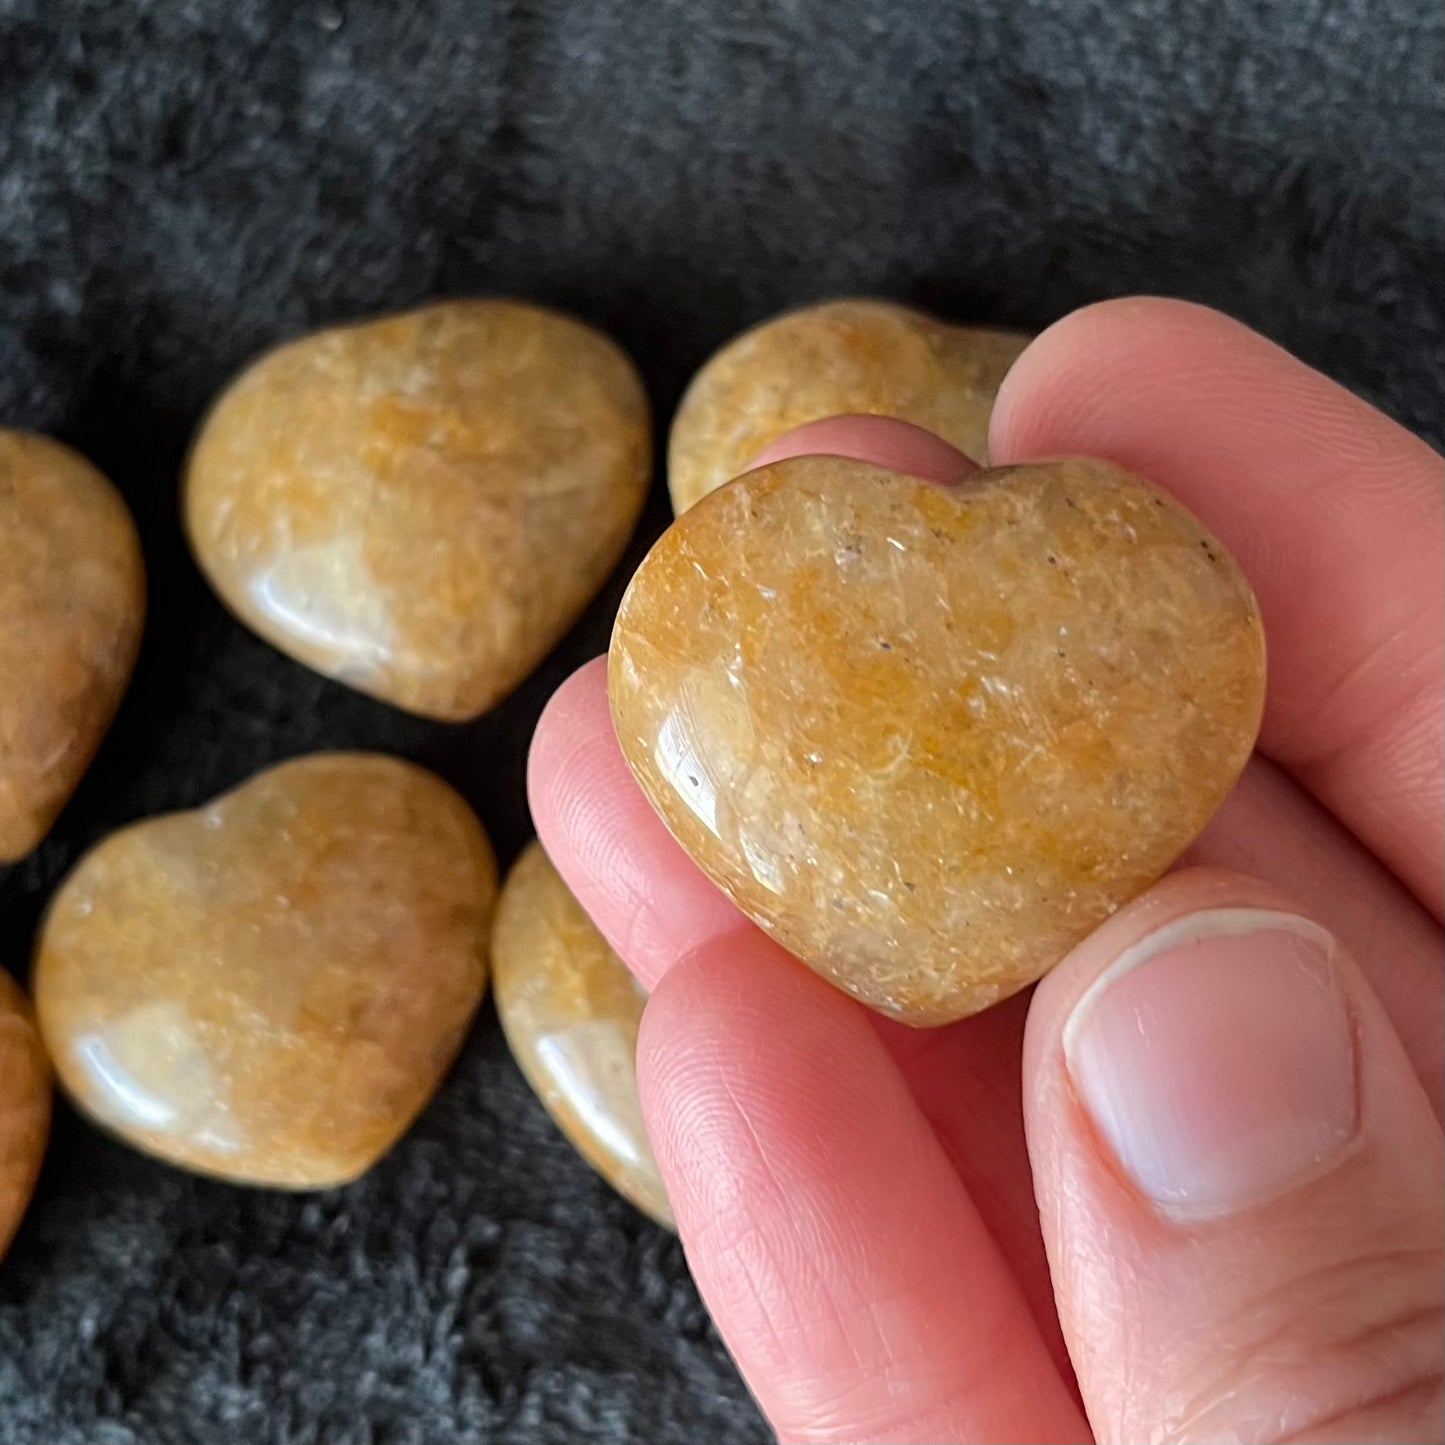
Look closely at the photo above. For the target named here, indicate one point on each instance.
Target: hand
(1226, 1102)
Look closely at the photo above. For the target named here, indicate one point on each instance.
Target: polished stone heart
(24, 1106)
(72, 604)
(854, 355)
(421, 506)
(929, 738)
(570, 1010)
(269, 988)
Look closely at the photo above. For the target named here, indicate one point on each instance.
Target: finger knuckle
(1348, 1351)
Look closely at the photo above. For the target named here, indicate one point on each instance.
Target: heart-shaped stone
(24, 1106)
(930, 737)
(570, 1010)
(72, 605)
(854, 355)
(269, 988)
(421, 506)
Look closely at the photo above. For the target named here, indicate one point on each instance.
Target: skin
(939, 1245)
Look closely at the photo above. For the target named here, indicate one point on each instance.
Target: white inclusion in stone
(762, 862)
(155, 1074)
(596, 1073)
(326, 597)
(678, 762)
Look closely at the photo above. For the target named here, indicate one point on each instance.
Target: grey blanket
(183, 182)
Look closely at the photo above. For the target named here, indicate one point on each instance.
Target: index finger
(1334, 512)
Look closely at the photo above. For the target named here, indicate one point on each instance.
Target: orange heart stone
(570, 1010)
(270, 988)
(855, 355)
(72, 605)
(421, 506)
(929, 738)
(24, 1106)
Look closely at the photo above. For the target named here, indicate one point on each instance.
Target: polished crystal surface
(571, 1011)
(929, 738)
(72, 605)
(270, 987)
(852, 355)
(420, 506)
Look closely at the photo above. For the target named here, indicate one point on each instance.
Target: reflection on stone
(269, 988)
(930, 737)
(570, 1010)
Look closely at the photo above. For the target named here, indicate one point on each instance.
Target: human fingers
(883, 440)
(1334, 512)
(655, 905)
(650, 901)
(1270, 829)
(839, 1254)
(1239, 1178)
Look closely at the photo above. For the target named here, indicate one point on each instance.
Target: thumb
(1239, 1178)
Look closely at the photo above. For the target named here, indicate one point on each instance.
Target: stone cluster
(269, 988)
(926, 736)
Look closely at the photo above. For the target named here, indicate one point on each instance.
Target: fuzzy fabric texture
(185, 183)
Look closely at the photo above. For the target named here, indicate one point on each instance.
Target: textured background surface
(184, 183)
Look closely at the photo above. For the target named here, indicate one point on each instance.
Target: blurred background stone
(855, 355)
(24, 1105)
(570, 1011)
(420, 505)
(72, 602)
(268, 988)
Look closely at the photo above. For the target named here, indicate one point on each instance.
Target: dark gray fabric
(184, 183)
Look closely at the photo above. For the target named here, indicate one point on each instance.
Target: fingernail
(1216, 1058)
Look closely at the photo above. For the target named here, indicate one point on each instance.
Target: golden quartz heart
(420, 506)
(928, 737)
(270, 987)
(855, 355)
(24, 1106)
(72, 604)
